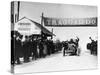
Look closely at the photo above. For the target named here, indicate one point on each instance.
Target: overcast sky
(34, 10)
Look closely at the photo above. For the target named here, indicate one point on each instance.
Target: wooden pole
(18, 10)
(42, 26)
(12, 13)
(42, 19)
(52, 33)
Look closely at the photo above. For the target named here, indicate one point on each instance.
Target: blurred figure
(18, 51)
(41, 49)
(65, 45)
(92, 46)
(34, 49)
(26, 47)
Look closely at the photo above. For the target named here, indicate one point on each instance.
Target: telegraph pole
(52, 34)
(18, 10)
(42, 26)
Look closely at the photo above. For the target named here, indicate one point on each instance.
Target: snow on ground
(56, 62)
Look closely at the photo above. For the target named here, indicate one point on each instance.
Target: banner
(70, 21)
